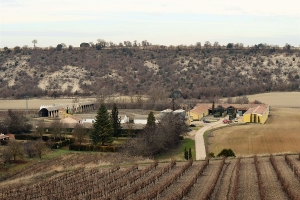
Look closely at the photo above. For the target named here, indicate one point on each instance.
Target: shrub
(211, 155)
(226, 153)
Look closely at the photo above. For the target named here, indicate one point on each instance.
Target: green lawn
(178, 153)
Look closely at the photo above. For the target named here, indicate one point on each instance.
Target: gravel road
(199, 140)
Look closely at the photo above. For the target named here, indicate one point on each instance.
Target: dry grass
(280, 134)
(278, 99)
(36, 103)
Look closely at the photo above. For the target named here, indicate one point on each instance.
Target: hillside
(197, 72)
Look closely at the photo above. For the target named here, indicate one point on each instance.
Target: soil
(271, 183)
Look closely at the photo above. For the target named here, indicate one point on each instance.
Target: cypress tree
(150, 120)
(102, 129)
(186, 154)
(190, 153)
(116, 122)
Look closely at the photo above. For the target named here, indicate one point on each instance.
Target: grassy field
(280, 134)
(178, 153)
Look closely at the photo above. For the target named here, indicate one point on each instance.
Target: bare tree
(40, 128)
(216, 44)
(145, 43)
(29, 148)
(34, 42)
(92, 44)
(241, 100)
(80, 133)
(135, 43)
(207, 44)
(111, 44)
(56, 128)
(102, 43)
(127, 44)
(130, 131)
(155, 140)
(6, 155)
(15, 148)
(40, 148)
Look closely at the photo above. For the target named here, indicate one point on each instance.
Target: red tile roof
(260, 110)
(199, 109)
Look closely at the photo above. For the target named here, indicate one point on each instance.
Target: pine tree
(150, 120)
(116, 122)
(102, 128)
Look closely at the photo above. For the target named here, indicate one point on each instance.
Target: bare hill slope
(197, 73)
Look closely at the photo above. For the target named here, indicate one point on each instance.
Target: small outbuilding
(4, 137)
(258, 114)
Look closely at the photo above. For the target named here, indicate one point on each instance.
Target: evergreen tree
(190, 153)
(150, 120)
(116, 122)
(102, 128)
(186, 156)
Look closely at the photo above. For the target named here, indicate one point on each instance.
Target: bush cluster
(44, 138)
(226, 153)
(52, 143)
(88, 147)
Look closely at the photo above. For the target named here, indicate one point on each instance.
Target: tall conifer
(151, 120)
(116, 122)
(102, 128)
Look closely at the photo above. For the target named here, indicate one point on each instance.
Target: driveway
(199, 139)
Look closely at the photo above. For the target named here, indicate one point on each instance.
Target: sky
(163, 22)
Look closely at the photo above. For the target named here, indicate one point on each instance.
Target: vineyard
(90, 176)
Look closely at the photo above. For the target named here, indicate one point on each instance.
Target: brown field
(93, 176)
(36, 103)
(32, 103)
(280, 134)
(274, 99)
(278, 99)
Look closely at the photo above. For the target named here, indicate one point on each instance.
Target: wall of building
(256, 118)
(264, 117)
(198, 116)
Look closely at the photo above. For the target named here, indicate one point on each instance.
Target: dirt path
(199, 140)
(248, 187)
(204, 181)
(288, 175)
(182, 181)
(223, 184)
(160, 181)
(270, 182)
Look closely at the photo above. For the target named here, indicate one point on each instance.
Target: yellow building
(258, 114)
(197, 113)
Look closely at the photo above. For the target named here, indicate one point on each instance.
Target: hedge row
(44, 138)
(57, 145)
(87, 147)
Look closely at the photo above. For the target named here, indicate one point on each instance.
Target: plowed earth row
(164, 181)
